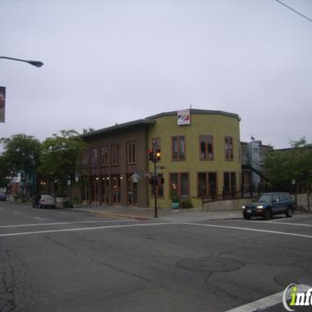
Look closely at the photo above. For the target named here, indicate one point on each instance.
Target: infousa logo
(298, 298)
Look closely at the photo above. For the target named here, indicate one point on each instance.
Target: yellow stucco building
(200, 156)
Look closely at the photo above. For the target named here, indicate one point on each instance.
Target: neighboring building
(200, 158)
(253, 173)
(115, 157)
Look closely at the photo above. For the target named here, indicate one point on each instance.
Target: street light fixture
(34, 63)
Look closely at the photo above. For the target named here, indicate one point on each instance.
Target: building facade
(254, 177)
(199, 158)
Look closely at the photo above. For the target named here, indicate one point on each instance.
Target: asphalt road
(57, 260)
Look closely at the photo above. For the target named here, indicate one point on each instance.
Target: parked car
(3, 196)
(44, 201)
(270, 204)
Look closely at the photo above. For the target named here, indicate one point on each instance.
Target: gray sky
(114, 61)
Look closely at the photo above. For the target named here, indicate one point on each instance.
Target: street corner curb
(117, 215)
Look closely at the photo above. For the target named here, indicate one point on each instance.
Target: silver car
(44, 201)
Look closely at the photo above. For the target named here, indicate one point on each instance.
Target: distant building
(200, 158)
(253, 172)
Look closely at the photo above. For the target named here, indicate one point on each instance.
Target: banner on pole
(2, 104)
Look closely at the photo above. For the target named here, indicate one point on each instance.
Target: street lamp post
(34, 63)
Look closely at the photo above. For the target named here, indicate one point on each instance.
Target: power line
(290, 8)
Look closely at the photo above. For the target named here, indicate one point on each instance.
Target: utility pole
(154, 156)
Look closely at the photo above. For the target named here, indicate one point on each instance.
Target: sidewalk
(166, 214)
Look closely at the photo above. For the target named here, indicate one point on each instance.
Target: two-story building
(200, 157)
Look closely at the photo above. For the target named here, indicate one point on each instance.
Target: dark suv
(270, 204)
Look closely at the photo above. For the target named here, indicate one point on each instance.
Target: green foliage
(4, 173)
(186, 203)
(68, 204)
(294, 164)
(60, 155)
(21, 153)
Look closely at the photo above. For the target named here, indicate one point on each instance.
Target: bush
(186, 203)
(68, 204)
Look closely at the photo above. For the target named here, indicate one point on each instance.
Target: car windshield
(265, 198)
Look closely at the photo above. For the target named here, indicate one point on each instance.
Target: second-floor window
(85, 158)
(228, 146)
(131, 152)
(115, 154)
(178, 148)
(104, 156)
(206, 147)
(94, 157)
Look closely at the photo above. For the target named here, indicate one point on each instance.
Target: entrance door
(132, 191)
(116, 188)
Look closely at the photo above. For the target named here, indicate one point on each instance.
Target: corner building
(200, 158)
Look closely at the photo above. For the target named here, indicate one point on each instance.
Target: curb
(116, 215)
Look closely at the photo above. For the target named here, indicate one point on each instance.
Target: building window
(85, 158)
(207, 184)
(104, 156)
(229, 184)
(179, 184)
(156, 143)
(228, 145)
(206, 147)
(115, 154)
(178, 148)
(94, 157)
(131, 152)
(160, 186)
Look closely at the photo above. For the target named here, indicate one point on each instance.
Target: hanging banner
(184, 117)
(2, 104)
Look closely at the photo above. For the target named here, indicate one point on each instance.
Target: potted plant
(175, 198)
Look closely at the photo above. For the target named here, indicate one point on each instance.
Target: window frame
(204, 139)
(131, 152)
(177, 191)
(228, 147)
(181, 155)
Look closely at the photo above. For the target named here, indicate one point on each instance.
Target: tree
(4, 173)
(85, 131)
(291, 167)
(60, 155)
(21, 154)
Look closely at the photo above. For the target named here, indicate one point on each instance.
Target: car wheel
(289, 212)
(267, 214)
(247, 217)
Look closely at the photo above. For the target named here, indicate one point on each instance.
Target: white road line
(247, 229)
(289, 223)
(275, 222)
(16, 212)
(154, 224)
(86, 229)
(61, 223)
(37, 218)
(267, 302)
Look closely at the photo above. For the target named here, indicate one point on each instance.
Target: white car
(44, 201)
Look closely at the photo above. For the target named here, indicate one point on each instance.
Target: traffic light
(158, 155)
(151, 155)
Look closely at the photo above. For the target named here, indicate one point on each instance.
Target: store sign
(2, 104)
(184, 117)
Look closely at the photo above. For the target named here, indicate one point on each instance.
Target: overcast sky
(113, 61)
